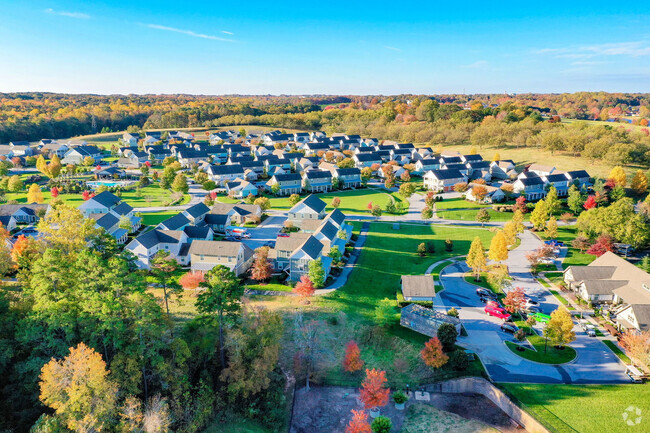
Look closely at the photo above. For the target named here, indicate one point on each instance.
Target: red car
(283, 235)
(492, 310)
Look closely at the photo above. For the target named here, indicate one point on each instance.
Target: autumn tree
(221, 300)
(180, 183)
(476, 257)
(407, 189)
(618, 176)
(6, 252)
(352, 361)
(253, 352)
(510, 232)
(15, 184)
(479, 192)
(191, 280)
(65, 228)
(336, 202)
(433, 355)
(496, 157)
(520, 205)
(373, 392)
(54, 167)
(539, 215)
(515, 300)
(518, 221)
(358, 423)
(294, 199)
(483, 216)
(603, 244)
(590, 203)
(79, 391)
(559, 328)
(581, 243)
(498, 251)
(41, 165)
(263, 202)
(305, 288)
(427, 213)
(262, 268)
(551, 228)
(639, 183)
(637, 347)
(54, 192)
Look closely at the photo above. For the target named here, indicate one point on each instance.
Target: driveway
(265, 232)
(595, 363)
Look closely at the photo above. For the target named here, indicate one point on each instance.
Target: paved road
(595, 362)
(265, 232)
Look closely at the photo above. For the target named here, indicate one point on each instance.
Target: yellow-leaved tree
(66, 229)
(498, 247)
(34, 194)
(79, 390)
(639, 183)
(618, 176)
(476, 257)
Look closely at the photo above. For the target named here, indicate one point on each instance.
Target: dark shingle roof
(314, 203)
(318, 174)
(154, 237)
(107, 221)
(312, 247)
(197, 210)
(107, 199)
(195, 232)
(226, 169)
(122, 208)
(447, 174)
(175, 222)
(286, 177)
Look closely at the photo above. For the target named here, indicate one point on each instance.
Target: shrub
(447, 335)
(458, 360)
(399, 397)
(453, 312)
(381, 424)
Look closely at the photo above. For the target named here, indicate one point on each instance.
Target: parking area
(595, 363)
(266, 232)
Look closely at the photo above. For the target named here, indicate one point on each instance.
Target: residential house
(76, 155)
(237, 213)
(131, 138)
(21, 148)
(221, 174)
(634, 318)
(317, 181)
(146, 245)
(424, 165)
(362, 160)
(297, 263)
(309, 208)
(53, 147)
(396, 170)
(494, 194)
(530, 187)
(347, 177)
(187, 157)
(102, 203)
(559, 181)
(24, 213)
(579, 177)
(541, 170)
(240, 188)
(503, 169)
(8, 222)
(205, 255)
(443, 180)
(196, 213)
(472, 158)
(287, 184)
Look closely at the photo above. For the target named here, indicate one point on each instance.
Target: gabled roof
(195, 232)
(531, 181)
(312, 202)
(123, 208)
(176, 222)
(197, 210)
(475, 157)
(367, 156)
(337, 216)
(107, 220)
(286, 177)
(318, 174)
(347, 171)
(451, 160)
(312, 247)
(107, 199)
(577, 174)
(556, 178)
(446, 174)
(328, 230)
(418, 286)
(219, 170)
(156, 236)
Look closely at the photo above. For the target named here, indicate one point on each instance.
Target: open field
(574, 257)
(148, 196)
(155, 218)
(584, 408)
(352, 201)
(421, 418)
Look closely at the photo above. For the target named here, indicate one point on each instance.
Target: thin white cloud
(629, 49)
(476, 65)
(78, 15)
(188, 33)
(226, 32)
(388, 47)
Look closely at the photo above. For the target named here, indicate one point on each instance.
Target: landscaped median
(543, 352)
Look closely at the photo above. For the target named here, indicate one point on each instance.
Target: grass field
(352, 201)
(583, 408)
(155, 218)
(149, 196)
(574, 257)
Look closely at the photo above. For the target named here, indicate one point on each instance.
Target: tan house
(205, 255)
(418, 288)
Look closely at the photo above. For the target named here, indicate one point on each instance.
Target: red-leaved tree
(373, 392)
(336, 202)
(520, 204)
(369, 207)
(603, 244)
(213, 195)
(352, 361)
(191, 280)
(590, 203)
(433, 355)
(358, 423)
(54, 192)
(304, 288)
(85, 195)
(515, 300)
(262, 268)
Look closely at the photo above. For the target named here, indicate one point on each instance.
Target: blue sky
(329, 47)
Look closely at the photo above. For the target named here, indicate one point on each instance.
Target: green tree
(575, 200)
(407, 189)
(316, 273)
(263, 202)
(483, 216)
(15, 184)
(180, 184)
(65, 229)
(335, 254)
(221, 300)
(294, 199)
(553, 203)
(381, 424)
(447, 335)
(422, 249)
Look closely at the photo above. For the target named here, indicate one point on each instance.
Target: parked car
(486, 293)
(532, 310)
(590, 330)
(541, 317)
(509, 327)
(283, 235)
(531, 303)
(498, 312)
(546, 261)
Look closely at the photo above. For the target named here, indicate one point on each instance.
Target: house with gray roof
(317, 181)
(205, 255)
(287, 184)
(309, 208)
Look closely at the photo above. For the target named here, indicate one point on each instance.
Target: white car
(590, 330)
(531, 303)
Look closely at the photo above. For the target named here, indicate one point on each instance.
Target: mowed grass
(388, 254)
(148, 196)
(574, 257)
(155, 218)
(584, 408)
(352, 201)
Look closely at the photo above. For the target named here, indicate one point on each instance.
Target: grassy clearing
(618, 352)
(574, 257)
(483, 282)
(582, 408)
(352, 201)
(458, 203)
(422, 418)
(271, 286)
(148, 196)
(155, 218)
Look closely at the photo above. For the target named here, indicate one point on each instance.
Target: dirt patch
(327, 410)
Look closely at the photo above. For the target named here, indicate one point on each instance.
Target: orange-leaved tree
(191, 280)
(373, 392)
(515, 300)
(262, 268)
(304, 288)
(358, 423)
(352, 361)
(432, 354)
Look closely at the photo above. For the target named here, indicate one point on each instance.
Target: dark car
(509, 327)
(486, 293)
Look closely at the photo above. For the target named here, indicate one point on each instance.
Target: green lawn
(155, 218)
(270, 286)
(546, 354)
(470, 214)
(352, 201)
(459, 203)
(483, 282)
(574, 257)
(583, 408)
(149, 196)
